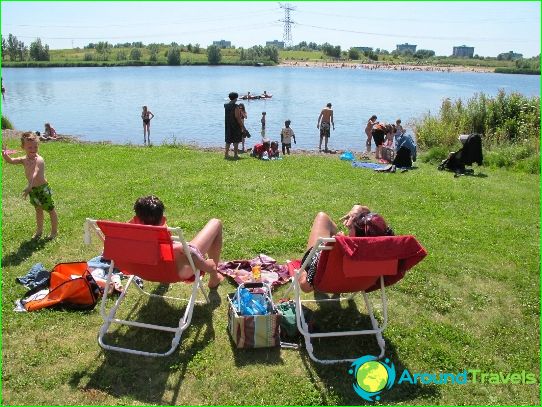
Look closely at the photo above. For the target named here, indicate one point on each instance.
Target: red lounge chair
(147, 252)
(356, 265)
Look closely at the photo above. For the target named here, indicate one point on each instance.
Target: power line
(424, 37)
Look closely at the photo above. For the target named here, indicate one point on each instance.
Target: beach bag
(254, 331)
(71, 286)
(288, 323)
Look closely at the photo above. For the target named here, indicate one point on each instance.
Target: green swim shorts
(42, 197)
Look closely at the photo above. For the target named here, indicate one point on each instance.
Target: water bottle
(244, 302)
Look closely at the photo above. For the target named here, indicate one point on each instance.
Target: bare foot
(214, 281)
(36, 236)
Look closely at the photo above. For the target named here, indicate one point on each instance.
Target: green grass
(473, 303)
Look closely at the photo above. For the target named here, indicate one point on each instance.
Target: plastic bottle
(257, 272)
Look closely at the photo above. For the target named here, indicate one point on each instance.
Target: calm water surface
(105, 103)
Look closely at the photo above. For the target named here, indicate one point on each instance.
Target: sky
(491, 27)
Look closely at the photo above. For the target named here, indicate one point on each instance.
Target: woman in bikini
(146, 115)
(359, 221)
(368, 132)
(149, 210)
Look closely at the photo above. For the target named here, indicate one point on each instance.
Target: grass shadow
(334, 382)
(148, 379)
(25, 250)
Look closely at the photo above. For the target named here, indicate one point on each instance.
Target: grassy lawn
(473, 303)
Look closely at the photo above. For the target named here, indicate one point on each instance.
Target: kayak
(246, 97)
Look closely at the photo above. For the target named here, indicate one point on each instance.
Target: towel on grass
(241, 270)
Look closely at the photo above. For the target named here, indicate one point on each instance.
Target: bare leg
(209, 241)
(39, 223)
(368, 142)
(320, 145)
(284, 150)
(54, 224)
(322, 226)
(149, 133)
(227, 150)
(325, 144)
(243, 144)
(235, 151)
(144, 134)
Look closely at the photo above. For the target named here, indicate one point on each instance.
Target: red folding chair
(146, 252)
(356, 265)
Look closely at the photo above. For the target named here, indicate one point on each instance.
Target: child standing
(398, 126)
(37, 189)
(262, 120)
(286, 136)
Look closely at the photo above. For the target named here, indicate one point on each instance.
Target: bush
(135, 54)
(88, 56)
(6, 124)
(174, 56)
(121, 56)
(503, 119)
(214, 54)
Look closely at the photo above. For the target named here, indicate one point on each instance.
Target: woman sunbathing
(149, 210)
(359, 221)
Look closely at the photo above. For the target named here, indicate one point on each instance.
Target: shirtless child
(324, 121)
(38, 189)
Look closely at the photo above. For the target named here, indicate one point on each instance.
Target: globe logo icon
(372, 376)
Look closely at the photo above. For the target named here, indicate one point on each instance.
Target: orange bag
(71, 286)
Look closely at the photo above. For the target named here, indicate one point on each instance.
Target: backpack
(71, 286)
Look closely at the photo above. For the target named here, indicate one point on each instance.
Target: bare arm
(353, 213)
(34, 173)
(9, 160)
(331, 119)
(152, 115)
(239, 118)
(319, 118)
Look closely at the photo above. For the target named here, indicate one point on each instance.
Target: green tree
(424, 54)
(214, 55)
(174, 56)
(353, 54)
(272, 53)
(4, 48)
(103, 49)
(153, 51)
(196, 49)
(121, 55)
(39, 52)
(135, 54)
(12, 47)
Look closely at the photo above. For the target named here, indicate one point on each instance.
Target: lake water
(100, 104)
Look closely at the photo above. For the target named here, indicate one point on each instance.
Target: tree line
(18, 51)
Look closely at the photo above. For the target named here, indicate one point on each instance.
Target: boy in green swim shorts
(37, 189)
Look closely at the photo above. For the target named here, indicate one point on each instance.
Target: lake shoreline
(12, 134)
(384, 66)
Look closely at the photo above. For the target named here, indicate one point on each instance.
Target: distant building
(509, 56)
(406, 47)
(222, 44)
(463, 51)
(363, 49)
(275, 43)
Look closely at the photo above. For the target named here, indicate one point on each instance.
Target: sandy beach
(384, 66)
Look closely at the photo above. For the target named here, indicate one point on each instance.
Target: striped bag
(253, 331)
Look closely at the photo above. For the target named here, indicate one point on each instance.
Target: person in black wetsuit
(233, 126)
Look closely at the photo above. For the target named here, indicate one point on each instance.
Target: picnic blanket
(240, 271)
(372, 166)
